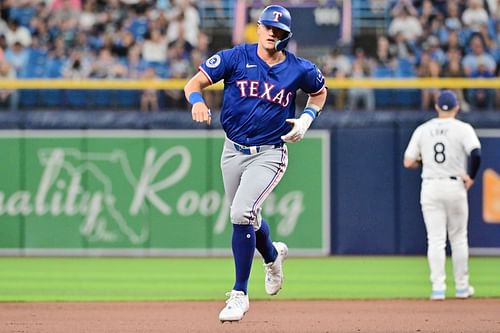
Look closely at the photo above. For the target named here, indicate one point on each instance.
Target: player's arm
(300, 125)
(192, 91)
(475, 162)
(412, 155)
(410, 163)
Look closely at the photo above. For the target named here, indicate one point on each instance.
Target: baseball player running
(258, 116)
(442, 146)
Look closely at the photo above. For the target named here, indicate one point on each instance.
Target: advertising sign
(146, 193)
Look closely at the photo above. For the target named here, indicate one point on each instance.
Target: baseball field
(334, 294)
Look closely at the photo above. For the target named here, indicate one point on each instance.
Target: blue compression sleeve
(243, 244)
(264, 244)
(475, 162)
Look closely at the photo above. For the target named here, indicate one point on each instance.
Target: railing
(175, 84)
(366, 16)
(59, 94)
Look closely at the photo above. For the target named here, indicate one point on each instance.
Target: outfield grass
(151, 279)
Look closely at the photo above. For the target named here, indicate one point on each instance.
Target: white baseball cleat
(465, 292)
(438, 295)
(274, 270)
(236, 306)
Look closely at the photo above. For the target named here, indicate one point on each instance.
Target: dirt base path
(473, 315)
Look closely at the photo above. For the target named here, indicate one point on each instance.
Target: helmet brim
(275, 24)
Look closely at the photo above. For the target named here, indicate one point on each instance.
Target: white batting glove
(300, 127)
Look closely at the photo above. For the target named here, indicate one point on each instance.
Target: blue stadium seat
(405, 69)
(54, 68)
(161, 68)
(139, 27)
(22, 14)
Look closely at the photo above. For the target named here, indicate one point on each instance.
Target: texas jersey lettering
(258, 97)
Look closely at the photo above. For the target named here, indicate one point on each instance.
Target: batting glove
(300, 126)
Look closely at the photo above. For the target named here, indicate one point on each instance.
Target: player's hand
(468, 182)
(201, 113)
(300, 126)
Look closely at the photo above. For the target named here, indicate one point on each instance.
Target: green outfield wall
(138, 192)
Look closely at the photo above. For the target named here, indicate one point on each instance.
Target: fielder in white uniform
(442, 146)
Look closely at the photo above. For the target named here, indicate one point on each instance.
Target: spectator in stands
(8, 97)
(453, 19)
(185, 17)
(135, 64)
(489, 41)
(405, 22)
(75, 5)
(476, 55)
(17, 57)
(16, 33)
(106, 66)
(361, 68)
(402, 49)
(122, 42)
(481, 98)
(77, 66)
(397, 5)
(453, 69)
(66, 13)
(338, 65)
(475, 15)
(154, 48)
(149, 97)
(433, 47)
(453, 42)
(378, 6)
(428, 68)
(88, 17)
(427, 12)
(179, 68)
(112, 13)
(385, 57)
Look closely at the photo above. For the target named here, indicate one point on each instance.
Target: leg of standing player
(458, 212)
(434, 212)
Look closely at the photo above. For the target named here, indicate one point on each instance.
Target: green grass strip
(155, 279)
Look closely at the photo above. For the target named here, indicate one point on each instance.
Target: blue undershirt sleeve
(474, 162)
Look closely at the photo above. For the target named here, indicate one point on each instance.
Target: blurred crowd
(112, 39)
(156, 39)
(425, 38)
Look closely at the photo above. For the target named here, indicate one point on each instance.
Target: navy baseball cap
(447, 100)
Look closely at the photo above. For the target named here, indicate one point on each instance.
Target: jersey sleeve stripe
(318, 92)
(206, 74)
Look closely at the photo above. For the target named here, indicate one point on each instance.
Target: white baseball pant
(445, 209)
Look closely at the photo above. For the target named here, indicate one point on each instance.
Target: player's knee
(239, 215)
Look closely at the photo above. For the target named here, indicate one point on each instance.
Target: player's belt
(450, 177)
(250, 150)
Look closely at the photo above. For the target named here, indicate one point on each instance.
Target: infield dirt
(472, 315)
